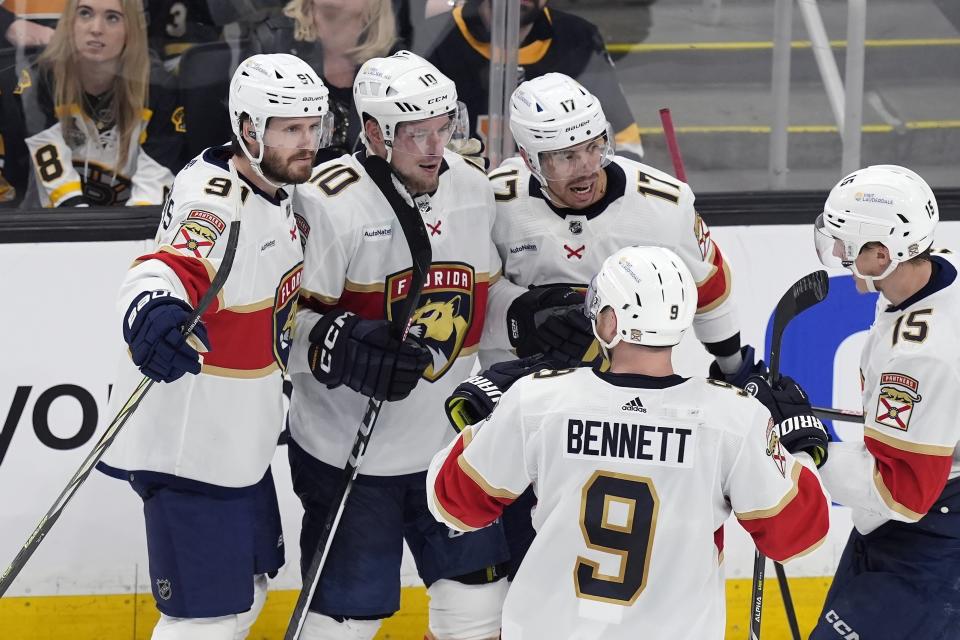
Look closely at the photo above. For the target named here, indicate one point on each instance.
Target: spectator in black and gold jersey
(550, 40)
(103, 123)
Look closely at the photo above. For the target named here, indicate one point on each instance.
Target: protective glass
(833, 251)
(579, 160)
(299, 133)
(429, 137)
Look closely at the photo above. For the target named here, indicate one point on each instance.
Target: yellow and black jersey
(83, 164)
(558, 42)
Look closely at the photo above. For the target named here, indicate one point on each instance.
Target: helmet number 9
(674, 311)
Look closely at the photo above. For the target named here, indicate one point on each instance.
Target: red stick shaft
(672, 145)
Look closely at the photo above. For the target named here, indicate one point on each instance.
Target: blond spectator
(106, 126)
(335, 37)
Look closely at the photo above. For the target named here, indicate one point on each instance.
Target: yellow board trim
(652, 47)
(131, 617)
(804, 128)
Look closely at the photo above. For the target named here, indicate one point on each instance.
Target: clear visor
(429, 137)
(579, 161)
(591, 302)
(299, 133)
(833, 251)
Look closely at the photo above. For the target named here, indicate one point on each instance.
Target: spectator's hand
(23, 33)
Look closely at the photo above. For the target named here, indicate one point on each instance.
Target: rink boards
(61, 339)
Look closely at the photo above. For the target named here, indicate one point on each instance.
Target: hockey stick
(420, 250)
(841, 415)
(110, 434)
(809, 290)
(667, 121)
(759, 563)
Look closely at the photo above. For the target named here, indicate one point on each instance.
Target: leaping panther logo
(441, 327)
(443, 318)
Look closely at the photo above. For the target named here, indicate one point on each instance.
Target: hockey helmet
(283, 86)
(406, 88)
(884, 203)
(552, 113)
(652, 293)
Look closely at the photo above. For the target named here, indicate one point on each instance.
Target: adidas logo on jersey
(634, 405)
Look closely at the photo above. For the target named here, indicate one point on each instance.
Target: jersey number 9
(618, 515)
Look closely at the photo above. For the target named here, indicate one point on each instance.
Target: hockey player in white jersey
(198, 449)
(562, 207)
(357, 270)
(636, 470)
(898, 574)
(566, 204)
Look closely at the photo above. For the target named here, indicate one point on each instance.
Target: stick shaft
(671, 136)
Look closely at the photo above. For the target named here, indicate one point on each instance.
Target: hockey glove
(532, 309)
(747, 369)
(566, 337)
(151, 328)
(475, 398)
(795, 424)
(365, 356)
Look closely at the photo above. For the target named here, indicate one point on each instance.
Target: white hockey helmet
(652, 293)
(278, 85)
(405, 88)
(882, 203)
(554, 112)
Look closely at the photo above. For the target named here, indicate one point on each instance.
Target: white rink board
(59, 328)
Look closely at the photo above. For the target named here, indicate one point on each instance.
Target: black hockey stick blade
(803, 294)
(421, 252)
(110, 434)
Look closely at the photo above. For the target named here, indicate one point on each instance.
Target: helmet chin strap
(255, 162)
(870, 281)
(605, 346)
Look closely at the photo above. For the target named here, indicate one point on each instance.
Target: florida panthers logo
(443, 319)
(284, 310)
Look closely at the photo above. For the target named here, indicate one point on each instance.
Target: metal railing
(845, 95)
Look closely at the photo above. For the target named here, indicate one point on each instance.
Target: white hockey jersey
(642, 206)
(221, 426)
(635, 476)
(356, 258)
(910, 368)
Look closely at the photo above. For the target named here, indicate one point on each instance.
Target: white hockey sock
(321, 627)
(246, 619)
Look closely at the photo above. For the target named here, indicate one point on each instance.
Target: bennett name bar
(627, 441)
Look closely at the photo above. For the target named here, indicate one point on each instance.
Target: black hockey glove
(365, 356)
(151, 328)
(532, 309)
(475, 398)
(566, 337)
(794, 423)
(747, 369)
